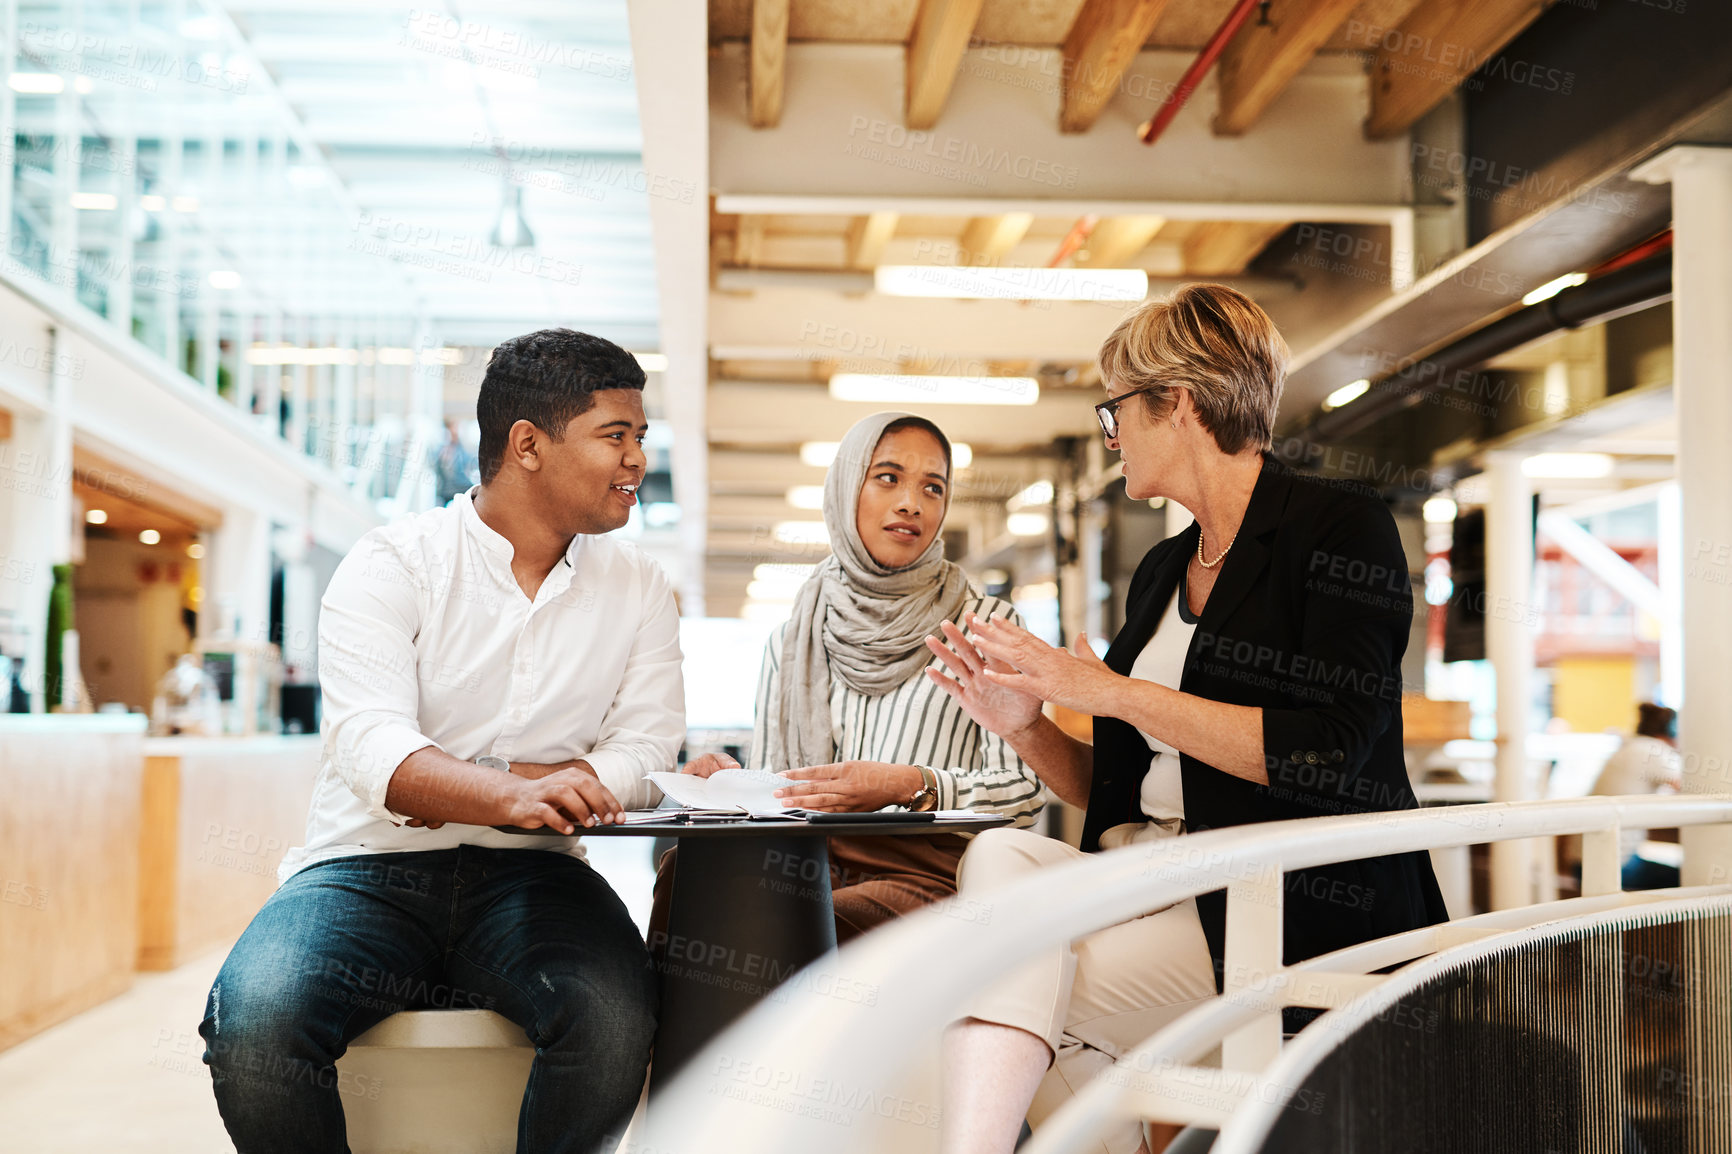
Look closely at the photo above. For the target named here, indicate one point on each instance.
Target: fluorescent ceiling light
(771, 591)
(95, 201)
(225, 278)
(1012, 284)
(1345, 394)
(1439, 511)
(1026, 524)
(806, 496)
(819, 454)
(151, 202)
(449, 355)
(195, 551)
(801, 533)
(294, 355)
(782, 571)
(1553, 287)
(185, 203)
(1039, 493)
(652, 362)
(36, 83)
(96, 516)
(150, 536)
(886, 388)
(83, 85)
(766, 612)
(961, 455)
(1559, 466)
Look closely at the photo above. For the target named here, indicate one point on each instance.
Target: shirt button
(1338, 757)
(1312, 758)
(1297, 756)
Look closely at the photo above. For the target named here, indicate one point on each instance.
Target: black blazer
(1307, 621)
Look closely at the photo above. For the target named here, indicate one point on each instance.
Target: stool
(435, 1082)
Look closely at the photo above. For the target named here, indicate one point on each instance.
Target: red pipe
(1074, 239)
(1152, 129)
(1659, 242)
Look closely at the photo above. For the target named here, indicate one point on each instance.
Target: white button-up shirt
(425, 638)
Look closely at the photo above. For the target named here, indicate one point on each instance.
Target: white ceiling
(400, 127)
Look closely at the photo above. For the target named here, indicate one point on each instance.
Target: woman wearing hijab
(845, 706)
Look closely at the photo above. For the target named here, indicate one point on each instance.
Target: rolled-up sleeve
(1357, 609)
(368, 622)
(646, 724)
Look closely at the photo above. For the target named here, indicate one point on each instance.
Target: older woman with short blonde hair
(1257, 678)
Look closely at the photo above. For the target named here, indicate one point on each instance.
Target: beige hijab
(854, 619)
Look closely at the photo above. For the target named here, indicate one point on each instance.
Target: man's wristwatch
(927, 797)
(488, 761)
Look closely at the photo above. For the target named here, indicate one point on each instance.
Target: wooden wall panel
(70, 794)
(229, 810)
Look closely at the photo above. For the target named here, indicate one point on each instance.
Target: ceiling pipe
(1074, 239)
(1152, 129)
(1633, 287)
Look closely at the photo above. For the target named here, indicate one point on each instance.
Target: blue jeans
(536, 936)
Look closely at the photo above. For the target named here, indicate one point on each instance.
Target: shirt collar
(480, 530)
(497, 546)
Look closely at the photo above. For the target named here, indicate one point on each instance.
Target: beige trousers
(1098, 997)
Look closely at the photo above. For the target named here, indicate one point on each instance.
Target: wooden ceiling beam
(768, 61)
(1225, 247)
(1260, 61)
(941, 34)
(987, 239)
(1103, 40)
(867, 236)
(749, 241)
(1439, 45)
(1116, 240)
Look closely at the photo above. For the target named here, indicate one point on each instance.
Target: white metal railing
(840, 1057)
(1162, 1080)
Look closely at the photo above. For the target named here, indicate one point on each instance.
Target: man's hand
(562, 800)
(433, 788)
(851, 786)
(709, 763)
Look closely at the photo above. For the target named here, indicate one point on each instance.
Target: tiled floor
(125, 1077)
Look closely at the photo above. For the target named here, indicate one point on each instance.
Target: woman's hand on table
(709, 763)
(993, 705)
(1021, 662)
(850, 786)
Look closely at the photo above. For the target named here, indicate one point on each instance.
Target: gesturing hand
(993, 705)
(1077, 679)
(850, 786)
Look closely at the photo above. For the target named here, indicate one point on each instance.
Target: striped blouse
(917, 723)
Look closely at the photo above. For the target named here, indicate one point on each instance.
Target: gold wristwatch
(927, 796)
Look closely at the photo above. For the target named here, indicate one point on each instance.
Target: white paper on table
(741, 790)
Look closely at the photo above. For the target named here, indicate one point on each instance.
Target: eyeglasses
(1108, 410)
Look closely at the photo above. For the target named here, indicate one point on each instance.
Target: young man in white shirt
(503, 626)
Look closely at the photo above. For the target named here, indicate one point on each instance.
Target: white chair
(435, 1082)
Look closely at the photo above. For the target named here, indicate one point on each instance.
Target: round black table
(750, 908)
